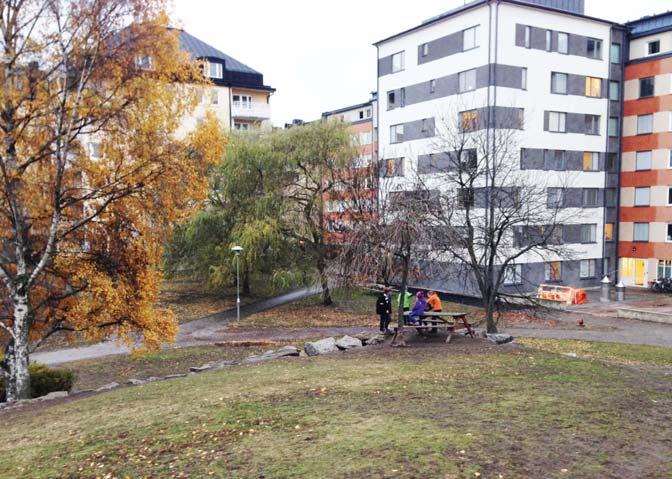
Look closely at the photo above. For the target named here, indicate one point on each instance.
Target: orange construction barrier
(562, 294)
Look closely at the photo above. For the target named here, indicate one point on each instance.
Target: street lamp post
(237, 250)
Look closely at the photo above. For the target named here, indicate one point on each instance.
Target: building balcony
(251, 111)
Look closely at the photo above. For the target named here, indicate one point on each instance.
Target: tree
(315, 156)
(491, 214)
(91, 170)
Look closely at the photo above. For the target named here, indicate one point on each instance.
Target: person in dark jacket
(384, 309)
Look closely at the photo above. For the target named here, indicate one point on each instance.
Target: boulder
(500, 338)
(268, 355)
(200, 369)
(107, 387)
(135, 382)
(348, 342)
(323, 346)
(377, 339)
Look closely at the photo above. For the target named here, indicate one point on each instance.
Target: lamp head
(237, 249)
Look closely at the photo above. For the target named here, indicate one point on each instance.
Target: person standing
(406, 299)
(384, 309)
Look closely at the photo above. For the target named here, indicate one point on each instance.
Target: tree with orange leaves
(92, 170)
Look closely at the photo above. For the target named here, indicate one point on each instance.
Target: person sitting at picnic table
(434, 304)
(419, 308)
(407, 300)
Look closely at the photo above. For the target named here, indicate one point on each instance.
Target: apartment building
(645, 229)
(338, 210)
(237, 95)
(550, 67)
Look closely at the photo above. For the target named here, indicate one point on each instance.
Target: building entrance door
(640, 272)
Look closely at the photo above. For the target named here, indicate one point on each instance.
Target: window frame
(611, 53)
(219, 70)
(617, 85)
(642, 196)
(587, 194)
(593, 87)
(394, 133)
(561, 116)
(639, 118)
(554, 90)
(668, 236)
(432, 85)
(527, 40)
(597, 49)
(424, 50)
(669, 196)
(612, 127)
(642, 83)
(566, 37)
(589, 118)
(652, 43)
(634, 232)
(549, 269)
(591, 268)
(594, 161)
(637, 160)
(592, 233)
(472, 117)
(514, 278)
(402, 62)
(523, 78)
(463, 77)
(476, 42)
(609, 229)
(549, 40)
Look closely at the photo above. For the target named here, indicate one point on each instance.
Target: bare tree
(493, 214)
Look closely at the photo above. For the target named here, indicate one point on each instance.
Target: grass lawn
(465, 410)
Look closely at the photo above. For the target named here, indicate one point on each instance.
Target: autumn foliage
(94, 170)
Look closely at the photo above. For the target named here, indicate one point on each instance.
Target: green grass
(460, 411)
(620, 353)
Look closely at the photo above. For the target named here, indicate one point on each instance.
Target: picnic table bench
(449, 321)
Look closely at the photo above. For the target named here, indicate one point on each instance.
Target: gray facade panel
(578, 45)
(611, 215)
(534, 159)
(416, 130)
(441, 48)
(508, 76)
(520, 35)
(613, 145)
(384, 66)
(576, 85)
(538, 39)
(436, 163)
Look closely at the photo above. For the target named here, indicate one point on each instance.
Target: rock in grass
(54, 395)
(323, 346)
(135, 382)
(375, 339)
(500, 338)
(107, 387)
(348, 342)
(200, 369)
(269, 355)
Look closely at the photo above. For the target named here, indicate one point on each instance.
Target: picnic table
(450, 321)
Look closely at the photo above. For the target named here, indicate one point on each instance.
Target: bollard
(604, 289)
(620, 291)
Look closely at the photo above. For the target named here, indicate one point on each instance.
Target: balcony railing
(250, 110)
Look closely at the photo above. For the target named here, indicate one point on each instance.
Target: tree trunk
(490, 324)
(18, 377)
(325, 297)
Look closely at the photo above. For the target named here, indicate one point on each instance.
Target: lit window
(469, 120)
(559, 83)
(654, 47)
(553, 271)
(643, 160)
(641, 232)
(563, 43)
(587, 268)
(593, 87)
(470, 38)
(467, 80)
(394, 167)
(396, 133)
(557, 122)
(645, 124)
(215, 70)
(594, 48)
(643, 196)
(609, 232)
(398, 62)
(591, 161)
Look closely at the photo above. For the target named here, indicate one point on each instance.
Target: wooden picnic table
(440, 320)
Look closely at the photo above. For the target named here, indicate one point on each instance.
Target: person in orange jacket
(434, 304)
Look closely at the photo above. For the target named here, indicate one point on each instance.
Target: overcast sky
(318, 54)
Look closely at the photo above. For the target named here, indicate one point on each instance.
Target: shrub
(44, 380)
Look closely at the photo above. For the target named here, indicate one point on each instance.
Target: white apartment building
(544, 62)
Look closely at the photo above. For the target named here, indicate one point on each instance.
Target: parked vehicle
(662, 285)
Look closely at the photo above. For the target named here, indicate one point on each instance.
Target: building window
(614, 90)
(593, 87)
(615, 53)
(643, 160)
(361, 114)
(611, 162)
(394, 167)
(643, 196)
(368, 112)
(554, 160)
(587, 268)
(528, 36)
(594, 48)
(398, 62)
(432, 86)
(523, 78)
(563, 43)
(654, 47)
(610, 197)
(402, 97)
(555, 197)
(513, 274)
(549, 36)
(665, 269)
(612, 129)
(396, 133)
(645, 124)
(215, 70)
(592, 124)
(470, 38)
(241, 126)
(242, 101)
(425, 49)
(365, 138)
(553, 271)
(557, 122)
(591, 161)
(144, 62)
(647, 87)
(95, 150)
(214, 97)
(467, 80)
(668, 236)
(590, 197)
(641, 232)
(669, 160)
(391, 99)
(559, 83)
(588, 234)
(669, 195)
(469, 120)
(609, 232)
